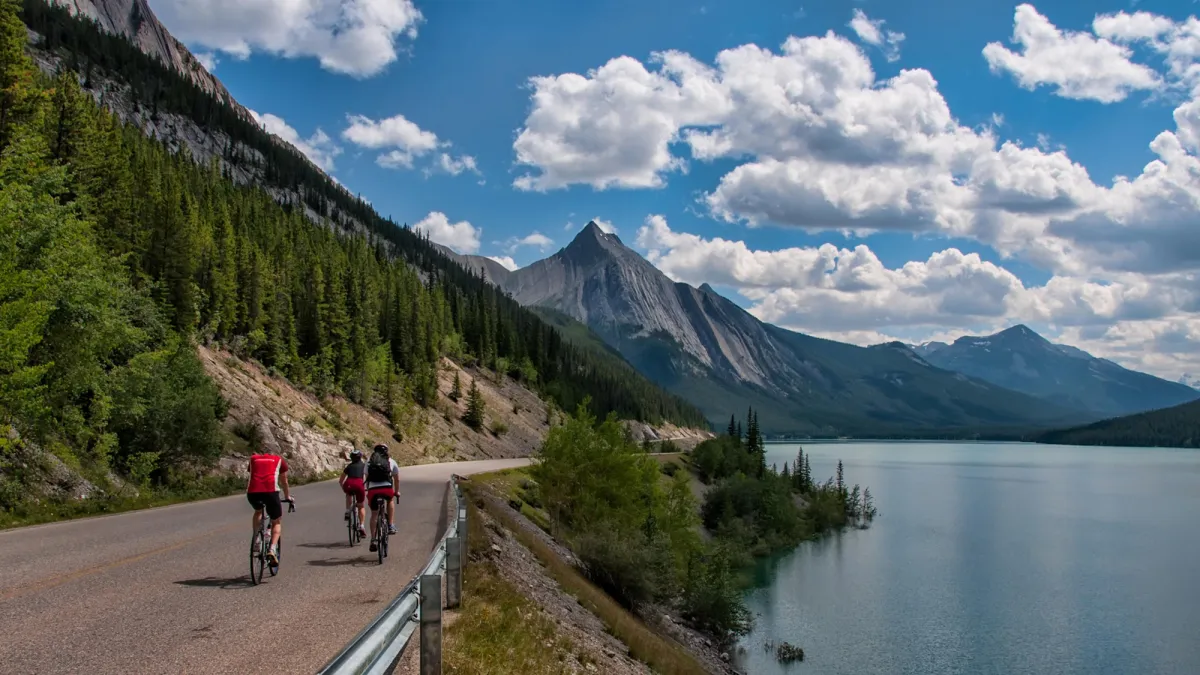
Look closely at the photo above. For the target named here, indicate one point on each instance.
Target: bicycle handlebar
(291, 504)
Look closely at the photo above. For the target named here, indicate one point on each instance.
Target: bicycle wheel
(258, 558)
(381, 538)
(352, 524)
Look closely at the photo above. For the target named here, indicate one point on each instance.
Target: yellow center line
(51, 582)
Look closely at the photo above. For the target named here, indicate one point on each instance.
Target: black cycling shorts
(268, 500)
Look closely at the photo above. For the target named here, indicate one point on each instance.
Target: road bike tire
(352, 525)
(258, 559)
(381, 540)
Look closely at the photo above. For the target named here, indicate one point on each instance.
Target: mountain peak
(1020, 330)
(593, 243)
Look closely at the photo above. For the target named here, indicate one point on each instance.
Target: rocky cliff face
(136, 21)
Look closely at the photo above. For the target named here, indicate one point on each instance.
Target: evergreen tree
(732, 431)
(18, 95)
(808, 479)
(475, 408)
(841, 485)
(456, 389)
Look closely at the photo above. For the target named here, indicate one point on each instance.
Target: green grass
(498, 630)
(662, 654)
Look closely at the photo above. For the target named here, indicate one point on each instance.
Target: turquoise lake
(993, 558)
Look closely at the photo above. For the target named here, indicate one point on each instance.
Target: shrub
(499, 428)
(712, 599)
(633, 571)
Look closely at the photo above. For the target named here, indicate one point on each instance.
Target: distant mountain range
(1189, 380)
(709, 350)
(1021, 360)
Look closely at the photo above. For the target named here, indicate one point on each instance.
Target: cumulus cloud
(873, 33)
(461, 236)
(353, 37)
(534, 239)
(818, 142)
(405, 142)
(605, 225)
(207, 59)
(507, 261)
(1079, 65)
(319, 147)
(453, 165)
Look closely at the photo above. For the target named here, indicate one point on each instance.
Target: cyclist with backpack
(353, 484)
(382, 475)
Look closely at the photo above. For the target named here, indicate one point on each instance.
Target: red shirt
(264, 473)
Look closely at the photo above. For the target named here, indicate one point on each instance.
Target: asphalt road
(168, 590)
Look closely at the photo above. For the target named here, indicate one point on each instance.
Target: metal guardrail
(378, 647)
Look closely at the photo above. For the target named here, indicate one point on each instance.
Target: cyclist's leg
(274, 509)
(257, 505)
(361, 496)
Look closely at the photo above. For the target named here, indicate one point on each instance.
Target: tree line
(116, 255)
(636, 531)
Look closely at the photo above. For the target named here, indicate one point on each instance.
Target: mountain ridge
(705, 347)
(136, 21)
(1020, 359)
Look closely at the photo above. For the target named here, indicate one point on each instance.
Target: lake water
(994, 558)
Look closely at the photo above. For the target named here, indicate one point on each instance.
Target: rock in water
(787, 652)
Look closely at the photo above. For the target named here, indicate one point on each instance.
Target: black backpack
(379, 469)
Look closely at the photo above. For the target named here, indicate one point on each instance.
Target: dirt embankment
(317, 435)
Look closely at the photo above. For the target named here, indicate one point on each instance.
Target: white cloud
(534, 239)
(605, 225)
(207, 59)
(407, 142)
(453, 165)
(508, 263)
(873, 33)
(354, 37)
(319, 147)
(461, 236)
(1079, 65)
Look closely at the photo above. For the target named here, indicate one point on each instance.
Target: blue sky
(766, 196)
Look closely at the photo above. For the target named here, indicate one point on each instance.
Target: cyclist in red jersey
(353, 485)
(268, 474)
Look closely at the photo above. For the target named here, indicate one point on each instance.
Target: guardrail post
(454, 572)
(431, 624)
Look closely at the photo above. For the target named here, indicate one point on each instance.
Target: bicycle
(381, 527)
(355, 536)
(260, 545)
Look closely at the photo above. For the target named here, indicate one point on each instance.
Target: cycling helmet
(381, 448)
(355, 454)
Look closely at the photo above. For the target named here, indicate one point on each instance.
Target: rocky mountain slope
(134, 20)
(485, 267)
(711, 351)
(1020, 359)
